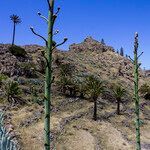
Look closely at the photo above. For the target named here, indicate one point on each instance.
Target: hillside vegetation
(72, 124)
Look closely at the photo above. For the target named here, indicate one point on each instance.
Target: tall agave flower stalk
(136, 90)
(47, 54)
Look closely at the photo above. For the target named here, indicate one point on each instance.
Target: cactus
(6, 142)
(47, 54)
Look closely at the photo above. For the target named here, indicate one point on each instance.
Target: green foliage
(12, 89)
(18, 51)
(145, 90)
(6, 142)
(2, 77)
(66, 80)
(94, 86)
(66, 69)
(64, 83)
(118, 91)
(16, 19)
(35, 96)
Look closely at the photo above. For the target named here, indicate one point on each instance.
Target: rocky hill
(92, 45)
(88, 56)
(72, 127)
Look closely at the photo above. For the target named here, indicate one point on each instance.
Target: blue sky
(114, 20)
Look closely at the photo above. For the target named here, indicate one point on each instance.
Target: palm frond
(16, 19)
(119, 91)
(94, 86)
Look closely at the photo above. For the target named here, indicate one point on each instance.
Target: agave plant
(6, 143)
(145, 91)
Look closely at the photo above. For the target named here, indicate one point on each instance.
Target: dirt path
(112, 138)
(89, 135)
(73, 129)
(82, 140)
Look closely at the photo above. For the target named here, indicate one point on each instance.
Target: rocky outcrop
(18, 66)
(90, 44)
(8, 62)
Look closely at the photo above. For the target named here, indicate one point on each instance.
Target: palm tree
(95, 87)
(16, 20)
(63, 83)
(119, 92)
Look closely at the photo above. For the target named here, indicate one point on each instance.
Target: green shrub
(17, 51)
(12, 89)
(2, 77)
(145, 91)
(67, 69)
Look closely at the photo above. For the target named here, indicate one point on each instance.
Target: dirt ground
(73, 128)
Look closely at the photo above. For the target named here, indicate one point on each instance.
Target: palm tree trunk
(118, 106)
(95, 109)
(81, 95)
(14, 31)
